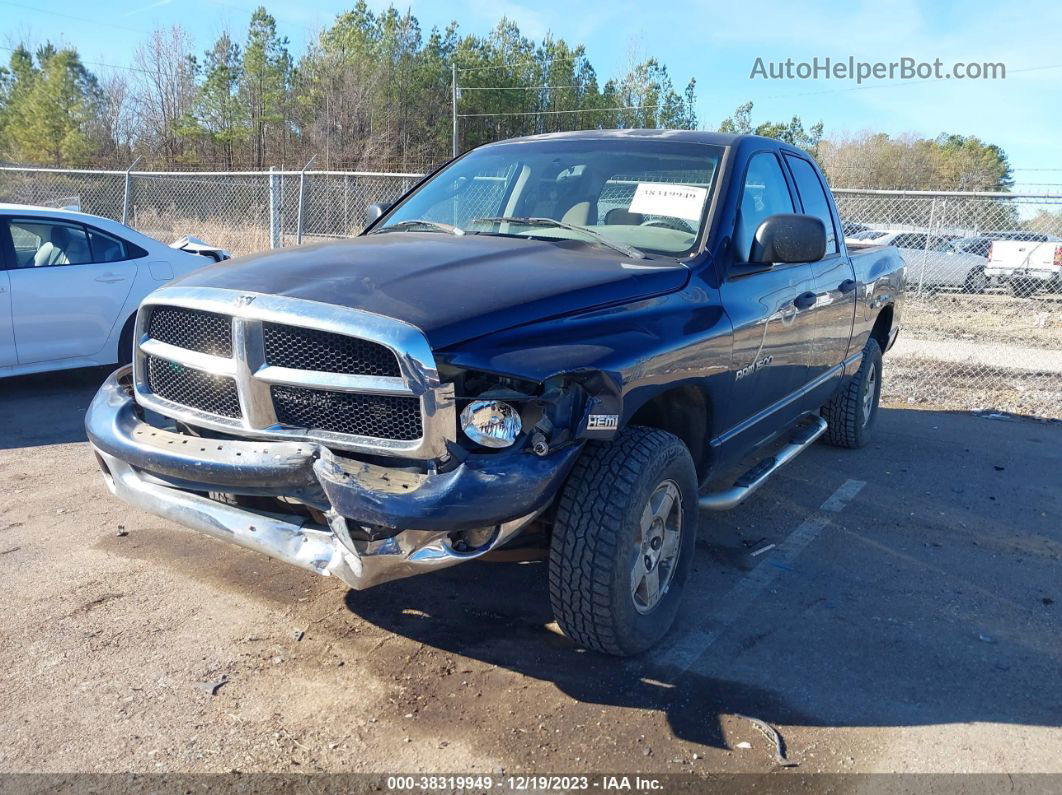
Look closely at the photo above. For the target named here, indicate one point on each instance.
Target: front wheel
(623, 541)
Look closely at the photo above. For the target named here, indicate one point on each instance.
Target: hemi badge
(602, 422)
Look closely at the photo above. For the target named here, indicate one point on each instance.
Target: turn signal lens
(491, 423)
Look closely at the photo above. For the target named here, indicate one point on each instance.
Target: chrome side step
(743, 488)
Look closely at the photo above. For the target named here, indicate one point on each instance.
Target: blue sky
(715, 42)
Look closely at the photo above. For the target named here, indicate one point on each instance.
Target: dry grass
(1033, 322)
(238, 239)
(928, 382)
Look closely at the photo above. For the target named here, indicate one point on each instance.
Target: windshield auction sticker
(677, 201)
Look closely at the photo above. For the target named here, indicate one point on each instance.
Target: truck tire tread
(592, 507)
(843, 412)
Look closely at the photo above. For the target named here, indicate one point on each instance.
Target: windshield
(635, 197)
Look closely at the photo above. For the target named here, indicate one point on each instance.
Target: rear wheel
(852, 412)
(623, 541)
(125, 342)
(976, 281)
(1024, 288)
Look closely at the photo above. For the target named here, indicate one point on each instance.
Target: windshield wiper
(437, 225)
(630, 251)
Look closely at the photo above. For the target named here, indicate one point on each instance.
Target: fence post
(127, 197)
(302, 198)
(274, 208)
(929, 237)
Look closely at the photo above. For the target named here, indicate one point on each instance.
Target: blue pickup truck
(589, 334)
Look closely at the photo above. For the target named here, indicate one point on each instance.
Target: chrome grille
(311, 349)
(294, 370)
(192, 329)
(376, 416)
(213, 394)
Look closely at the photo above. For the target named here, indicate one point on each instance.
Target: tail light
(990, 246)
(1058, 257)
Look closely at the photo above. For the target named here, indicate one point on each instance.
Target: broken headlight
(491, 423)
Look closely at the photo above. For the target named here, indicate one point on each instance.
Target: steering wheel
(668, 223)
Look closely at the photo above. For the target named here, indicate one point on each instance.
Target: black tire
(976, 281)
(1024, 288)
(851, 416)
(125, 342)
(597, 541)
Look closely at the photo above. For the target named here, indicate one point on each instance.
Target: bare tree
(165, 90)
(116, 117)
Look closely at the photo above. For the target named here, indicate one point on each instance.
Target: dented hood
(452, 288)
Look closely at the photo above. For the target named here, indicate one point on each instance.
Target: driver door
(770, 309)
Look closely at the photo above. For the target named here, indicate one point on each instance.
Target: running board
(743, 488)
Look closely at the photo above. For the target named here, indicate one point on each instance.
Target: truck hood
(452, 288)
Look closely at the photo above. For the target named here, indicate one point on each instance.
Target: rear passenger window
(44, 243)
(813, 196)
(106, 248)
(765, 193)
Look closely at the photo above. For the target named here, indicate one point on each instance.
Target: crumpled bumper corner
(167, 473)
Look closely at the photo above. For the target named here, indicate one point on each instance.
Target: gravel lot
(916, 629)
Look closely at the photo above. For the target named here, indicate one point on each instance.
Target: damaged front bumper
(379, 523)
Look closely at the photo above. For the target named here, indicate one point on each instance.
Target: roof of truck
(684, 136)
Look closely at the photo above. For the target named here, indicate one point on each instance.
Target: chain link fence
(242, 211)
(982, 326)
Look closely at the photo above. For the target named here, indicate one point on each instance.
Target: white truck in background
(1026, 266)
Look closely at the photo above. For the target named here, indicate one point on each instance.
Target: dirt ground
(916, 629)
(994, 317)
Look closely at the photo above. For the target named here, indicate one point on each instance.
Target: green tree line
(371, 90)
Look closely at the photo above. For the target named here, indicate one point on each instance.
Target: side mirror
(374, 211)
(789, 237)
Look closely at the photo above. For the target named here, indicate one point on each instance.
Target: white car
(943, 263)
(70, 285)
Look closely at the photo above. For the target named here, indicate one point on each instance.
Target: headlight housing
(491, 423)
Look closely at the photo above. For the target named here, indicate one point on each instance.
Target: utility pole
(453, 103)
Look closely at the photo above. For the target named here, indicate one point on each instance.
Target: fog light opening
(469, 542)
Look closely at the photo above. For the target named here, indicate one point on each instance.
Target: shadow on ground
(47, 408)
(931, 600)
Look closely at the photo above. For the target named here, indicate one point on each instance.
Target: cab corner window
(765, 193)
(46, 244)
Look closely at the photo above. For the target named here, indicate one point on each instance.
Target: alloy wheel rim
(869, 388)
(656, 547)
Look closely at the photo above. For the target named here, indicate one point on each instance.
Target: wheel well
(883, 327)
(126, 333)
(684, 412)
